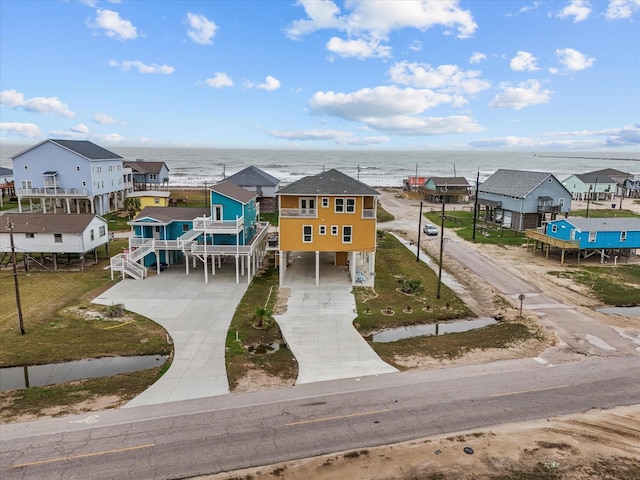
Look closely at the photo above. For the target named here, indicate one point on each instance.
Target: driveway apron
(197, 317)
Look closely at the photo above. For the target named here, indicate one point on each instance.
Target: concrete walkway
(318, 324)
(197, 316)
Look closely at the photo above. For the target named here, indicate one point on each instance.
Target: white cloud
(448, 78)
(113, 25)
(142, 67)
(15, 99)
(523, 61)
(360, 48)
(80, 128)
(392, 110)
(219, 80)
(28, 130)
(523, 95)
(477, 57)
(340, 137)
(371, 22)
(104, 119)
(270, 84)
(578, 9)
(508, 141)
(415, 45)
(202, 30)
(574, 60)
(621, 9)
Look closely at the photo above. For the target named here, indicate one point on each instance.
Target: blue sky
(315, 74)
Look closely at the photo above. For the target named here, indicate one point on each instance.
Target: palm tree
(262, 318)
(132, 206)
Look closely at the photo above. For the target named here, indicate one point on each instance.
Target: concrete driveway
(318, 324)
(197, 316)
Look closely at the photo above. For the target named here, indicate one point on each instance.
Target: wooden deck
(547, 242)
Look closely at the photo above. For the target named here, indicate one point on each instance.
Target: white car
(430, 229)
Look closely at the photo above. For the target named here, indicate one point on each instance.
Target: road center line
(325, 419)
(528, 391)
(84, 455)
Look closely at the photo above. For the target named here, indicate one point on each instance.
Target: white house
(590, 186)
(71, 175)
(54, 234)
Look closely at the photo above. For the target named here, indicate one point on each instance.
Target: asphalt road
(227, 433)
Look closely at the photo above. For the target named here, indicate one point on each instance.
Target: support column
(206, 269)
(249, 270)
(372, 264)
(186, 263)
(237, 271)
(68, 205)
(317, 267)
(281, 269)
(43, 205)
(352, 268)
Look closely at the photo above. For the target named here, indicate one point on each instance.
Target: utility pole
(15, 277)
(419, 231)
(441, 244)
(588, 199)
(475, 206)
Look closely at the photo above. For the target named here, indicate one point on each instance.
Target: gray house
(71, 175)
(259, 181)
(148, 175)
(521, 199)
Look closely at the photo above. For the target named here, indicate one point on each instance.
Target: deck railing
(207, 223)
(53, 192)
(298, 212)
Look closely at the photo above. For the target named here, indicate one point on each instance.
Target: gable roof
(609, 172)
(50, 222)
(5, 172)
(253, 176)
(514, 183)
(84, 148)
(331, 182)
(595, 178)
(233, 191)
(172, 214)
(141, 166)
(615, 224)
(450, 181)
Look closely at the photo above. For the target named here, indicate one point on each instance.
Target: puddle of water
(393, 334)
(264, 349)
(15, 378)
(624, 311)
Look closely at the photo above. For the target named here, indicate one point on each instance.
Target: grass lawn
(618, 286)
(603, 213)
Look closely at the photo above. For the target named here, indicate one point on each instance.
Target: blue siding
(603, 239)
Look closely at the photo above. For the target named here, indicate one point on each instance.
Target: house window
(102, 231)
(84, 184)
(153, 176)
(561, 202)
(325, 202)
(592, 237)
(351, 205)
(322, 230)
(623, 236)
(307, 233)
(347, 234)
(185, 227)
(98, 169)
(26, 184)
(307, 204)
(57, 238)
(156, 200)
(26, 167)
(92, 235)
(334, 229)
(29, 235)
(554, 228)
(339, 205)
(78, 168)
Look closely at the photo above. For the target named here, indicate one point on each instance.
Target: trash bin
(613, 205)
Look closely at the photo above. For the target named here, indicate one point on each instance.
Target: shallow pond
(264, 348)
(624, 311)
(15, 378)
(393, 334)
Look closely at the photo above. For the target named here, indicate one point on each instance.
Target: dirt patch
(94, 404)
(257, 380)
(594, 445)
(280, 307)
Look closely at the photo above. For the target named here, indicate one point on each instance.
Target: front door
(217, 213)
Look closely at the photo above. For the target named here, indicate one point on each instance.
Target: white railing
(207, 224)
(298, 212)
(122, 263)
(208, 249)
(368, 213)
(53, 192)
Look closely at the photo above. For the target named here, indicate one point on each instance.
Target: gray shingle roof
(87, 149)
(513, 183)
(145, 167)
(595, 178)
(49, 222)
(450, 181)
(172, 214)
(5, 172)
(233, 191)
(253, 177)
(331, 182)
(617, 224)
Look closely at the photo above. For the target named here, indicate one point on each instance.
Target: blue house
(228, 230)
(597, 233)
(72, 175)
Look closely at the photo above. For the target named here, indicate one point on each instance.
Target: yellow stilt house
(329, 213)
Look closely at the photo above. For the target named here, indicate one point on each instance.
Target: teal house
(227, 232)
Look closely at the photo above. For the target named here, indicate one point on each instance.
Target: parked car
(430, 229)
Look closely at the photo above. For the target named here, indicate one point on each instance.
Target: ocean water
(195, 166)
